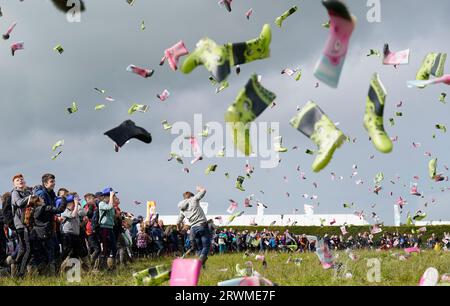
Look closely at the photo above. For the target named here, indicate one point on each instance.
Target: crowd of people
(229, 240)
(43, 229)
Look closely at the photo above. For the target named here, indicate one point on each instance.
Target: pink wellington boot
(174, 53)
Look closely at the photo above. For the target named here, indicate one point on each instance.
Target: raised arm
(74, 213)
(81, 211)
(201, 191)
(110, 205)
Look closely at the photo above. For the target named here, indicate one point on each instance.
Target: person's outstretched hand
(200, 189)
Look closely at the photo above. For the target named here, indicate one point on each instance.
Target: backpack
(28, 216)
(8, 214)
(97, 219)
(142, 241)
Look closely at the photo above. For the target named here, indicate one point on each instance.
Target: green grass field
(308, 272)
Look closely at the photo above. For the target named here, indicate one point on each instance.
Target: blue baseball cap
(70, 198)
(107, 191)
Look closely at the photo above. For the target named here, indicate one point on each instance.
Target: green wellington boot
(214, 57)
(373, 118)
(155, 280)
(432, 168)
(433, 64)
(249, 104)
(153, 275)
(239, 181)
(251, 50)
(166, 125)
(285, 15)
(211, 168)
(314, 124)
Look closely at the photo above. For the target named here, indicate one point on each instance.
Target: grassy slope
(309, 272)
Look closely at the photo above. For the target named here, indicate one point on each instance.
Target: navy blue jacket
(48, 196)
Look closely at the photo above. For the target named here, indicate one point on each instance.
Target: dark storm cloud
(38, 84)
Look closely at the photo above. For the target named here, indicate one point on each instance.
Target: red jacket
(90, 208)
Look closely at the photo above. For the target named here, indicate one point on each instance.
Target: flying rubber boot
(314, 124)
(289, 12)
(227, 4)
(173, 53)
(249, 104)
(239, 181)
(433, 64)
(432, 168)
(166, 125)
(373, 118)
(342, 24)
(211, 168)
(251, 50)
(241, 136)
(137, 108)
(278, 144)
(214, 57)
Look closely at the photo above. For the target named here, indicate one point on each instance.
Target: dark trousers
(94, 246)
(57, 243)
(84, 250)
(42, 250)
(109, 242)
(3, 244)
(202, 239)
(24, 254)
(71, 246)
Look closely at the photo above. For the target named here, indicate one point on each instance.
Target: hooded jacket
(19, 200)
(48, 196)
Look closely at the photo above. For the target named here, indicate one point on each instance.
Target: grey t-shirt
(192, 211)
(71, 225)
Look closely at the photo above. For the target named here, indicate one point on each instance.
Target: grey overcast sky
(38, 84)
